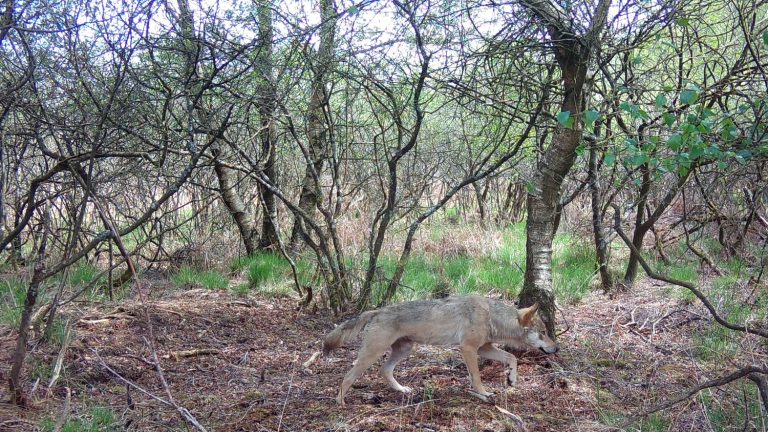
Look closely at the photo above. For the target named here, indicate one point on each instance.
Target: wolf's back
(346, 331)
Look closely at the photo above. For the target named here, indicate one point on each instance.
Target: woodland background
(193, 190)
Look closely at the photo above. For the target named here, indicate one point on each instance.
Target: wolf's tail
(346, 331)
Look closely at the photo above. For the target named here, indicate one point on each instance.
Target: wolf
(473, 323)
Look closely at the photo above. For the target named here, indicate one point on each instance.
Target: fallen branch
(311, 360)
(178, 355)
(653, 275)
(181, 410)
(60, 358)
(747, 371)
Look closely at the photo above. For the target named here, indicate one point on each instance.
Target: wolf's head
(534, 330)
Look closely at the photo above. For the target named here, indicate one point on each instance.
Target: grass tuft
(210, 279)
(12, 295)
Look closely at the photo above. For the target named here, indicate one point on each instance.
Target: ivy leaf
(661, 100)
(682, 22)
(689, 96)
(353, 10)
(765, 38)
(610, 159)
(564, 118)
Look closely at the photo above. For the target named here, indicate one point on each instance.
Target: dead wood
(178, 355)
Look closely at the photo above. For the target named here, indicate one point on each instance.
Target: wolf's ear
(526, 315)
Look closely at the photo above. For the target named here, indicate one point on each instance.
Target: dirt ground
(618, 355)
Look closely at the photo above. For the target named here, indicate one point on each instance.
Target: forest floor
(619, 355)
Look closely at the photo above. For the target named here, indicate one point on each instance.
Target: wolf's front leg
(491, 352)
(470, 359)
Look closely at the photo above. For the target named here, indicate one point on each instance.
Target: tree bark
(601, 245)
(572, 53)
(643, 226)
(317, 125)
(268, 132)
(245, 224)
(15, 386)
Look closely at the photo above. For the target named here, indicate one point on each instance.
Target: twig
(653, 275)
(762, 385)
(311, 360)
(181, 410)
(745, 371)
(60, 359)
(64, 413)
(287, 396)
(178, 355)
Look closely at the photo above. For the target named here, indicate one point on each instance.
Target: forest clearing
(195, 193)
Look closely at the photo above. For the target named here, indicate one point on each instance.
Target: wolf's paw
(404, 389)
(511, 377)
(487, 397)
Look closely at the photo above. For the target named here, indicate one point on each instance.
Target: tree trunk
(601, 245)
(572, 54)
(268, 132)
(15, 386)
(317, 126)
(230, 197)
(643, 226)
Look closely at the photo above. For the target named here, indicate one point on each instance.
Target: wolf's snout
(550, 350)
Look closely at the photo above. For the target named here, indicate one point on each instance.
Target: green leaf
(675, 142)
(591, 116)
(682, 22)
(689, 96)
(353, 10)
(765, 38)
(529, 187)
(661, 100)
(638, 159)
(625, 106)
(696, 151)
(580, 150)
(610, 158)
(744, 155)
(564, 118)
(669, 119)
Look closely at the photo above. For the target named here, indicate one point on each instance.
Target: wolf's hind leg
(491, 352)
(400, 351)
(368, 354)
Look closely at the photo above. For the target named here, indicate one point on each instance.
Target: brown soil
(619, 355)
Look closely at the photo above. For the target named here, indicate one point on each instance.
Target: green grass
(100, 419)
(271, 274)
(82, 273)
(727, 413)
(240, 290)
(210, 279)
(501, 270)
(573, 268)
(263, 268)
(12, 295)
